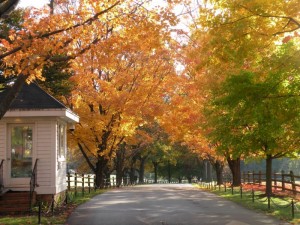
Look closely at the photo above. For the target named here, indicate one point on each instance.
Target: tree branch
(290, 20)
(86, 158)
(6, 6)
(46, 35)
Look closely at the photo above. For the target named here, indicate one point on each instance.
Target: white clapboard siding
(61, 177)
(2, 141)
(45, 138)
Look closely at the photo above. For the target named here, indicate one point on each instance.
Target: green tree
(13, 21)
(57, 80)
(181, 163)
(259, 117)
(230, 36)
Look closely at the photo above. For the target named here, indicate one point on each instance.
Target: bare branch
(290, 20)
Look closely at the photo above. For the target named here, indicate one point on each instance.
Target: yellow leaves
(124, 80)
(121, 58)
(5, 43)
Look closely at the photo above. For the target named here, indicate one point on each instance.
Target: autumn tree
(230, 36)
(56, 74)
(144, 137)
(117, 85)
(119, 76)
(47, 37)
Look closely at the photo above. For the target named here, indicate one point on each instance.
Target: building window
(21, 150)
(61, 141)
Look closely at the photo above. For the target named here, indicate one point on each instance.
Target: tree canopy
(230, 91)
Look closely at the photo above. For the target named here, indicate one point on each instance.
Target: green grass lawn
(279, 207)
(60, 214)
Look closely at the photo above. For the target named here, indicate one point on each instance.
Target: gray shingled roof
(33, 97)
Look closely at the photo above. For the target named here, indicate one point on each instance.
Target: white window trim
(61, 157)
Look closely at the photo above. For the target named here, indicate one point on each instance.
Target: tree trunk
(119, 165)
(235, 167)
(219, 166)
(119, 175)
(179, 180)
(51, 6)
(169, 172)
(132, 175)
(209, 172)
(107, 177)
(155, 165)
(101, 168)
(269, 175)
(142, 170)
(207, 168)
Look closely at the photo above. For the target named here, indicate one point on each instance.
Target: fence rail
(282, 181)
(80, 181)
(86, 182)
(251, 194)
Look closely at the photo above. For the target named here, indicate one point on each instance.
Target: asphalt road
(168, 204)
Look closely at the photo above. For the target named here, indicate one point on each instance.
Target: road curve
(167, 204)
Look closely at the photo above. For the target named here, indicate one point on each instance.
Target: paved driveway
(167, 204)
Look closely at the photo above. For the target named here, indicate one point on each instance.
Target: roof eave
(63, 113)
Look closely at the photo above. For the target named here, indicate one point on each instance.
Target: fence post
(69, 181)
(75, 181)
(248, 176)
(293, 182)
(52, 205)
(66, 199)
(89, 183)
(282, 181)
(241, 190)
(253, 178)
(269, 202)
(252, 195)
(275, 180)
(82, 190)
(293, 209)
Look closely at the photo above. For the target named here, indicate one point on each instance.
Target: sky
(39, 3)
(35, 3)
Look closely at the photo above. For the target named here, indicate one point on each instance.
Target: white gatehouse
(33, 142)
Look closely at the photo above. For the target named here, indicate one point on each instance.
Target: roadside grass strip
(59, 215)
(283, 208)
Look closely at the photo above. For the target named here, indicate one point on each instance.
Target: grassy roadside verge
(279, 207)
(60, 215)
